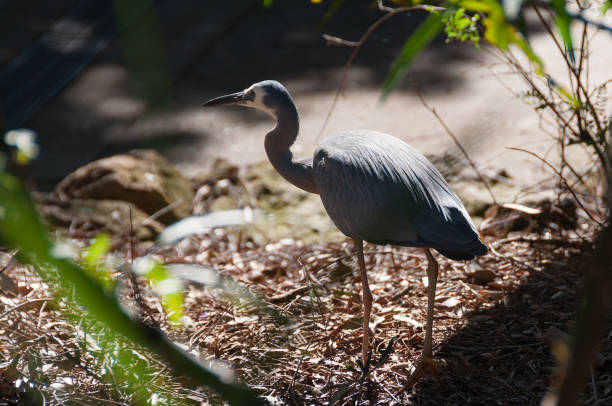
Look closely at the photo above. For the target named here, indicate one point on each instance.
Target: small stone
(474, 270)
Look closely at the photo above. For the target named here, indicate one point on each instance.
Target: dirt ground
(497, 324)
(216, 48)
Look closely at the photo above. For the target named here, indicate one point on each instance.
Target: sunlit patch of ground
(490, 324)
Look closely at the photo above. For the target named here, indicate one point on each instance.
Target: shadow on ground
(501, 355)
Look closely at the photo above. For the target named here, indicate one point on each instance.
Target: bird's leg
(426, 361)
(367, 301)
(432, 278)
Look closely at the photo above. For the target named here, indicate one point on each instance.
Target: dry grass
(490, 324)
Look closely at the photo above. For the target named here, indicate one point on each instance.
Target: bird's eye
(250, 95)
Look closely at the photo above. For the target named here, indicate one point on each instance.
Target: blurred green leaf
(164, 284)
(606, 6)
(462, 27)
(423, 35)
(567, 96)
(563, 21)
(238, 294)
(173, 302)
(94, 260)
(483, 6)
(498, 31)
(20, 228)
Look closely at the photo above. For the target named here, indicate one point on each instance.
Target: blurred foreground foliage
(119, 340)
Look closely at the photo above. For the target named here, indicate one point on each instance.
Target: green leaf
(462, 27)
(173, 303)
(239, 295)
(164, 284)
(606, 6)
(563, 21)
(22, 229)
(484, 7)
(498, 31)
(93, 261)
(423, 35)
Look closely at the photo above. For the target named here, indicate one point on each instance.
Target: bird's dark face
(265, 96)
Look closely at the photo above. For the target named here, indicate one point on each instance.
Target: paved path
(211, 48)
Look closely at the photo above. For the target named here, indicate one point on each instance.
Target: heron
(374, 187)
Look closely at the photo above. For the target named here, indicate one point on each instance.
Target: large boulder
(87, 218)
(141, 177)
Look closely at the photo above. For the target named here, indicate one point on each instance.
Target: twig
(593, 385)
(578, 81)
(463, 151)
(19, 306)
(10, 264)
(523, 238)
(562, 178)
(286, 297)
(580, 17)
(160, 213)
(391, 12)
(513, 62)
(132, 275)
(314, 333)
(513, 260)
(339, 41)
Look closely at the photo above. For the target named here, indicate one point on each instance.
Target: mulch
(493, 323)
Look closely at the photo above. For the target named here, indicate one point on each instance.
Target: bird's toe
(426, 365)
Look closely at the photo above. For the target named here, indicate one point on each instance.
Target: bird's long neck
(277, 144)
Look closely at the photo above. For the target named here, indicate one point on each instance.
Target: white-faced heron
(374, 187)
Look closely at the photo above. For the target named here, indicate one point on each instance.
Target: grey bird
(374, 187)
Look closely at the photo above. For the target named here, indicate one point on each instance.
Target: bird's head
(268, 96)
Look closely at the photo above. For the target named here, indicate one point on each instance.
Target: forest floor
(495, 323)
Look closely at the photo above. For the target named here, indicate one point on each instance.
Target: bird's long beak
(237, 98)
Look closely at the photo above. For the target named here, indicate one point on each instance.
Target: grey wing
(377, 188)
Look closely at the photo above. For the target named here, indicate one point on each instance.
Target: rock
(480, 274)
(294, 212)
(537, 215)
(90, 217)
(476, 198)
(141, 177)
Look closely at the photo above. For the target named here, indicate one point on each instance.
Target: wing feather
(377, 188)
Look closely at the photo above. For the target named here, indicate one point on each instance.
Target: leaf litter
(298, 341)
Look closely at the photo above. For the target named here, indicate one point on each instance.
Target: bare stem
(390, 12)
(562, 178)
(572, 70)
(463, 151)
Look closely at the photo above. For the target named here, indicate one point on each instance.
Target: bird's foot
(432, 365)
(425, 365)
